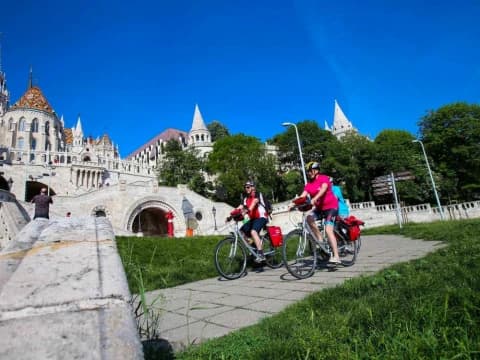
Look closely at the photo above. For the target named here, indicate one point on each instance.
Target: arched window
(21, 125)
(11, 125)
(35, 126)
(33, 144)
(20, 143)
(47, 128)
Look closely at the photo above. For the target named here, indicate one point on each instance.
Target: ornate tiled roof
(33, 99)
(68, 136)
(105, 140)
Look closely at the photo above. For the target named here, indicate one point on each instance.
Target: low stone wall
(13, 218)
(63, 293)
(379, 215)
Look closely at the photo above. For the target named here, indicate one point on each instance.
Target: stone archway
(148, 218)
(151, 222)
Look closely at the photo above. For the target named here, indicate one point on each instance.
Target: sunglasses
(248, 187)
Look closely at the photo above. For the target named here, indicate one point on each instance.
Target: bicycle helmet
(312, 165)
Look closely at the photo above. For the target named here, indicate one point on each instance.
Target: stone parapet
(64, 294)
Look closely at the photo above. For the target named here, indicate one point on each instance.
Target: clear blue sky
(132, 69)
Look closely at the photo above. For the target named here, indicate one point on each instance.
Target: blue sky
(133, 69)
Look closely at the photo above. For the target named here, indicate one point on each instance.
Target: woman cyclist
(319, 189)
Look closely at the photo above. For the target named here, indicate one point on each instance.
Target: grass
(167, 262)
(424, 309)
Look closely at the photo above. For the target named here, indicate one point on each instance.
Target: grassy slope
(428, 308)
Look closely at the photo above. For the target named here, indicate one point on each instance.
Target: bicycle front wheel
(230, 258)
(347, 250)
(273, 255)
(299, 254)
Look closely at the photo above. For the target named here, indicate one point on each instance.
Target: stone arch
(100, 211)
(147, 216)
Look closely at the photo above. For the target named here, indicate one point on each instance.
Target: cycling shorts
(329, 215)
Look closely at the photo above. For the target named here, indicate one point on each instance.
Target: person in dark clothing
(42, 204)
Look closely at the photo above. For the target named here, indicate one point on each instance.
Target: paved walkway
(194, 312)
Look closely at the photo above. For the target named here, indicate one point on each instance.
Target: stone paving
(198, 311)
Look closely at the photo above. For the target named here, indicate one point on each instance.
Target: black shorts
(256, 224)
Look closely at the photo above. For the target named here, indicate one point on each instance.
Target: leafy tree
(217, 130)
(451, 136)
(182, 166)
(237, 158)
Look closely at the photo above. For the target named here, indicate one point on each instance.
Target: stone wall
(64, 294)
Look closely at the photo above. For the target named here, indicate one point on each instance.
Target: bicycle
(231, 252)
(301, 250)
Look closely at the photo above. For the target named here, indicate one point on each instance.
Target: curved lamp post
(299, 149)
(431, 178)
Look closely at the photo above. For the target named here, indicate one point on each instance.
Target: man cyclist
(258, 218)
(319, 189)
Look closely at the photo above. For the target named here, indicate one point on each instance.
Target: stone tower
(199, 136)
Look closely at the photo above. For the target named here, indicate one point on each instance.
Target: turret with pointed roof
(341, 124)
(199, 136)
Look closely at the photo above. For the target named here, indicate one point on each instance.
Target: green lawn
(424, 309)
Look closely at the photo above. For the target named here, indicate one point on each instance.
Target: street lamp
(299, 149)
(214, 212)
(431, 178)
(49, 167)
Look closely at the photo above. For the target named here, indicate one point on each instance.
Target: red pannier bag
(276, 236)
(353, 225)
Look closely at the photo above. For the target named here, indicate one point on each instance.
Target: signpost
(384, 185)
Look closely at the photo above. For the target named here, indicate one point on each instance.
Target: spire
(341, 124)
(327, 127)
(30, 78)
(78, 127)
(198, 123)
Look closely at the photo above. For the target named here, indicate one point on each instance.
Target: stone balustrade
(64, 294)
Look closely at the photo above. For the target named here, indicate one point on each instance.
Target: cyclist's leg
(311, 218)
(257, 226)
(329, 230)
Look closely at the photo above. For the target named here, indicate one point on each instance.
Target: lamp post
(299, 149)
(431, 178)
(214, 212)
(49, 167)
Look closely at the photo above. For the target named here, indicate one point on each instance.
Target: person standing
(42, 203)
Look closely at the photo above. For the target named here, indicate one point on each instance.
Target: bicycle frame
(238, 234)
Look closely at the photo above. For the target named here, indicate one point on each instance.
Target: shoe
(260, 258)
(334, 260)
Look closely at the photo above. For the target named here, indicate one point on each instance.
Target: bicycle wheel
(299, 254)
(230, 258)
(273, 255)
(347, 250)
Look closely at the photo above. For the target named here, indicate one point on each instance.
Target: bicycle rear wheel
(299, 254)
(347, 250)
(230, 258)
(273, 255)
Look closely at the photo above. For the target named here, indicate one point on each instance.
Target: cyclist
(319, 189)
(258, 218)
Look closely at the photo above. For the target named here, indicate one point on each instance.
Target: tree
(238, 158)
(217, 130)
(182, 166)
(451, 136)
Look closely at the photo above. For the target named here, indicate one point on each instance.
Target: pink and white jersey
(328, 200)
